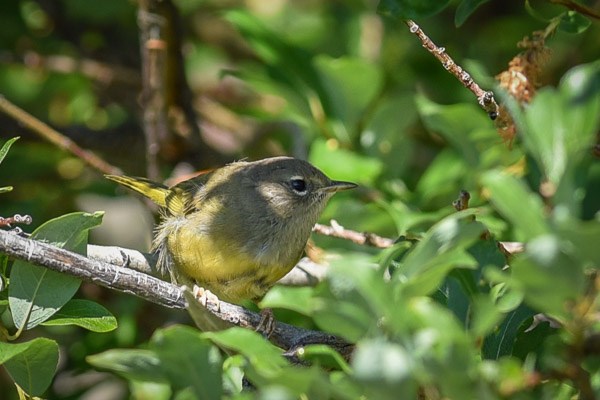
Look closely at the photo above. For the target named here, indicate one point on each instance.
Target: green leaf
(6, 189)
(354, 298)
(516, 203)
(86, 314)
(549, 276)
(298, 299)
(573, 22)
(531, 339)
(442, 249)
(150, 390)
(413, 9)
(288, 65)
(324, 356)
(385, 369)
(456, 123)
(261, 354)
(561, 124)
(584, 237)
(189, 361)
(501, 342)
(342, 164)
(36, 293)
(6, 147)
(465, 9)
(484, 315)
(31, 364)
(351, 85)
(132, 364)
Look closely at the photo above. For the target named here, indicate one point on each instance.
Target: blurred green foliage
(443, 313)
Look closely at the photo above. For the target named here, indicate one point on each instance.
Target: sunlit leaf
(86, 314)
(36, 293)
(6, 147)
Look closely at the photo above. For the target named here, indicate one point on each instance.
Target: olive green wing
(183, 197)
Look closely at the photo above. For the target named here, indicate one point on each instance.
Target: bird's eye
(298, 185)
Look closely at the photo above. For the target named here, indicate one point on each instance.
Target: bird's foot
(266, 326)
(207, 298)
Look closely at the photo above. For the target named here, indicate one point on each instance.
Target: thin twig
(580, 8)
(371, 239)
(15, 219)
(484, 98)
(56, 138)
(362, 238)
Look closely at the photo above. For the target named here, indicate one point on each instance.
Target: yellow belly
(222, 267)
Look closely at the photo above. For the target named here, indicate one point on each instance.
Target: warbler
(237, 230)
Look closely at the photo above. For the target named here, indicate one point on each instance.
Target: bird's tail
(154, 191)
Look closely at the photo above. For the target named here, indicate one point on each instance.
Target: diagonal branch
(152, 289)
(55, 137)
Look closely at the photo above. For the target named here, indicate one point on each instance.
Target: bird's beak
(336, 186)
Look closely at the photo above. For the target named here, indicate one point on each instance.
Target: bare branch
(484, 98)
(55, 137)
(364, 238)
(152, 289)
(370, 239)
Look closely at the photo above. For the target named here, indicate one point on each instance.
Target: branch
(371, 239)
(305, 273)
(152, 289)
(152, 99)
(580, 8)
(363, 238)
(56, 138)
(484, 98)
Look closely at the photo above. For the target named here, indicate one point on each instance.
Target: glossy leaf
(574, 22)
(31, 364)
(86, 314)
(36, 293)
(298, 299)
(263, 356)
(501, 342)
(6, 147)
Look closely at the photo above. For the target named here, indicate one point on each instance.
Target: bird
(237, 230)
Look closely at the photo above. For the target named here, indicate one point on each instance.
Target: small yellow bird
(239, 229)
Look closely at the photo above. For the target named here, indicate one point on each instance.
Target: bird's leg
(206, 297)
(266, 326)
